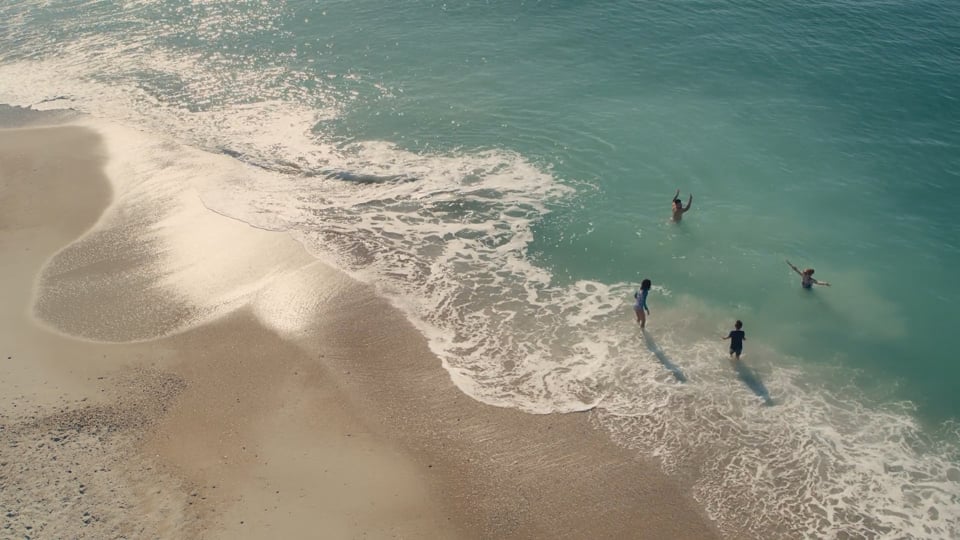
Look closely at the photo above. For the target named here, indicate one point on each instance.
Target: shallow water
(503, 173)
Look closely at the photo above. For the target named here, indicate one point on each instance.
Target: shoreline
(352, 426)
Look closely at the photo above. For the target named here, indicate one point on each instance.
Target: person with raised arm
(806, 277)
(678, 209)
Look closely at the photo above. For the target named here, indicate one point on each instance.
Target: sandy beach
(124, 421)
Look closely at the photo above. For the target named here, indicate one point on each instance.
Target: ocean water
(502, 172)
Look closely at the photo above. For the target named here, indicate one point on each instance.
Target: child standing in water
(640, 307)
(736, 337)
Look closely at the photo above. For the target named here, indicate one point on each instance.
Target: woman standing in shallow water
(640, 307)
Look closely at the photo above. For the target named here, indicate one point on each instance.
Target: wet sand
(231, 428)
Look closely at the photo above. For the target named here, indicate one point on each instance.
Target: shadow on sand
(658, 352)
(753, 382)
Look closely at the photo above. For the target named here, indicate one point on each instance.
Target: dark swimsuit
(736, 341)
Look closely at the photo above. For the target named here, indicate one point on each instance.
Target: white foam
(820, 462)
(445, 237)
(200, 259)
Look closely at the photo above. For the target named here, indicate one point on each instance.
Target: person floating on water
(678, 209)
(806, 277)
(736, 337)
(640, 307)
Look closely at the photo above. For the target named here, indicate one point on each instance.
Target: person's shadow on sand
(753, 382)
(658, 352)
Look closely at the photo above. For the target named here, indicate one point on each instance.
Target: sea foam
(445, 236)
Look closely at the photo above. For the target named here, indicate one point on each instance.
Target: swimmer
(678, 209)
(806, 277)
(641, 305)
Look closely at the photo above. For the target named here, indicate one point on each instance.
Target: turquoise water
(513, 163)
(824, 133)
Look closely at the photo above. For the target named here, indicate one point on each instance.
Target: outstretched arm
(675, 195)
(818, 282)
(689, 202)
(795, 269)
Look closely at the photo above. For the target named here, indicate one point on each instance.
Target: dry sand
(229, 429)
